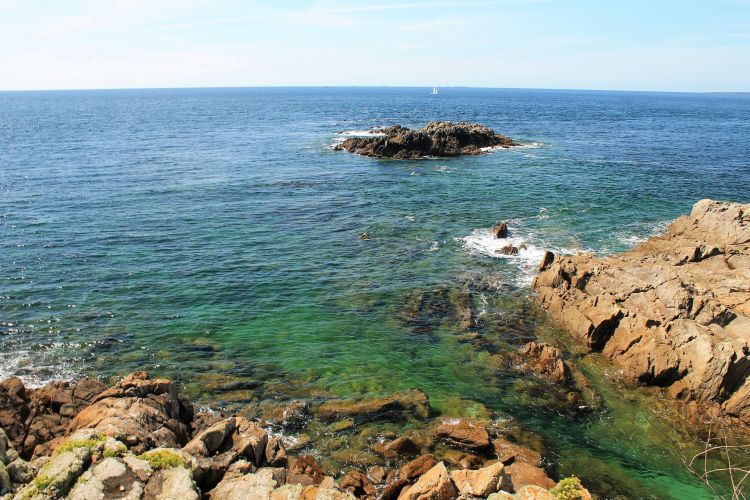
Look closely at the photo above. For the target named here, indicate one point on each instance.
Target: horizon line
(216, 87)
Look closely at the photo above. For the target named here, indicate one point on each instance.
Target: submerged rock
(673, 312)
(435, 139)
(413, 403)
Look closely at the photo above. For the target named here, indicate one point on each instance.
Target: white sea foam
(530, 253)
(361, 133)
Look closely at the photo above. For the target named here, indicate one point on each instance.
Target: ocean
(211, 235)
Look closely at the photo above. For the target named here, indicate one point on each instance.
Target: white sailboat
(434, 91)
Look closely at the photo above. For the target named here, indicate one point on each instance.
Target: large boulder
(435, 139)
(479, 483)
(140, 412)
(468, 434)
(436, 484)
(673, 312)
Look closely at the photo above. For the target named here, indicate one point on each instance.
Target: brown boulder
(35, 418)
(509, 250)
(417, 467)
(479, 483)
(500, 231)
(399, 447)
(544, 360)
(140, 412)
(522, 473)
(463, 433)
(435, 484)
(358, 485)
(305, 471)
(509, 453)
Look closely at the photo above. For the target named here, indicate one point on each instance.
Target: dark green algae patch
(455, 344)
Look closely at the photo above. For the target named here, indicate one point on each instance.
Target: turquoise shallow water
(204, 232)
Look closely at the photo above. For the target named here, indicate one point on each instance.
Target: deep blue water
(136, 223)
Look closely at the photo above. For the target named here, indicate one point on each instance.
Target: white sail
(434, 90)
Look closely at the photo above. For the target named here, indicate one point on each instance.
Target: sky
(663, 45)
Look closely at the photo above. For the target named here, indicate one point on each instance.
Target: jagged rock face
(143, 413)
(35, 418)
(435, 139)
(674, 311)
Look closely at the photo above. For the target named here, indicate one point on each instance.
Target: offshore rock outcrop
(436, 139)
(141, 440)
(673, 312)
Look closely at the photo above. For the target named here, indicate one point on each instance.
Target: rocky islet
(436, 139)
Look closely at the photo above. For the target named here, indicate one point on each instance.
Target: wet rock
(509, 250)
(342, 425)
(500, 231)
(358, 485)
(169, 484)
(305, 471)
(471, 435)
(417, 467)
(532, 492)
(395, 407)
(425, 310)
(376, 474)
(522, 473)
(140, 412)
(291, 415)
(547, 260)
(275, 455)
(673, 312)
(109, 478)
(509, 453)
(480, 482)
(544, 360)
(399, 447)
(436, 484)
(393, 489)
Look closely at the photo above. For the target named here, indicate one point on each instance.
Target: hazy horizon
(668, 46)
(448, 87)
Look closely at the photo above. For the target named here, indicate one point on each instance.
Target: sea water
(203, 233)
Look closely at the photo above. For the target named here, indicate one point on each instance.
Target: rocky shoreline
(436, 139)
(673, 312)
(141, 439)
